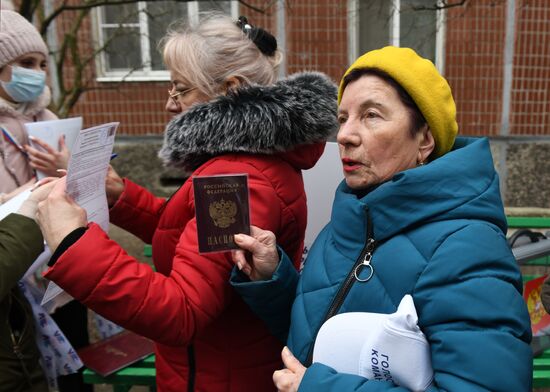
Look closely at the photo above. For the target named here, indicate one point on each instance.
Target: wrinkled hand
(289, 379)
(265, 258)
(49, 160)
(58, 215)
(114, 186)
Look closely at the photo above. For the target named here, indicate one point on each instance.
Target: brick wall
(530, 113)
(473, 65)
(317, 39)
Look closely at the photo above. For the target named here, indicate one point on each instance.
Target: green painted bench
(541, 364)
(140, 373)
(541, 370)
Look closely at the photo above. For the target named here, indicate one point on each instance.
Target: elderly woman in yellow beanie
(419, 215)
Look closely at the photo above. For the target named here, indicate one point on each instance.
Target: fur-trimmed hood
(256, 119)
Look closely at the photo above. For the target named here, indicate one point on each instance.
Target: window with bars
(407, 23)
(129, 35)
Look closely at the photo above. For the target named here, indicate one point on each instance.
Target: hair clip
(242, 22)
(264, 41)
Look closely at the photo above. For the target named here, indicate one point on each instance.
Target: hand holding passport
(222, 210)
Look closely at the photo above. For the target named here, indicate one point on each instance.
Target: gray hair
(213, 50)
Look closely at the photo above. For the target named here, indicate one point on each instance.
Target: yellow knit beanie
(429, 90)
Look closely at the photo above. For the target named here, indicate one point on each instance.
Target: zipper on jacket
(192, 370)
(17, 334)
(362, 261)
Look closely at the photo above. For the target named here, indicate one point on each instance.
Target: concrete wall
(524, 169)
(528, 182)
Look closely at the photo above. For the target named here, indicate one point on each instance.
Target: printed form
(86, 175)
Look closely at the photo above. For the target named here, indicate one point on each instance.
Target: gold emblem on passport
(223, 213)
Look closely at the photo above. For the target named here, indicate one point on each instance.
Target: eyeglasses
(174, 96)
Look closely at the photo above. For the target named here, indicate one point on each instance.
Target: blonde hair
(207, 53)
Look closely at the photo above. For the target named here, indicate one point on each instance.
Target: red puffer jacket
(206, 338)
(205, 334)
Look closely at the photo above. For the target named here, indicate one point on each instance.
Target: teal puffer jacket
(439, 233)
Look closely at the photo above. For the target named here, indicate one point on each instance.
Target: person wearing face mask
(231, 117)
(24, 97)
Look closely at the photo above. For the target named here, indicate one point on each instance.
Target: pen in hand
(12, 140)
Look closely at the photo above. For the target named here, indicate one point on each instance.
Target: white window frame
(353, 32)
(147, 74)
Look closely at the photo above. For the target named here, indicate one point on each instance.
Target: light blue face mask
(25, 85)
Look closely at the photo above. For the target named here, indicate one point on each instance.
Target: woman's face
(187, 97)
(35, 61)
(374, 138)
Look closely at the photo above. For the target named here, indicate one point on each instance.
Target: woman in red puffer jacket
(231, 118)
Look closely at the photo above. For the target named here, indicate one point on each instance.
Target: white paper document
(86, 175)
(88, 169)
(50, 132)
(13, 204)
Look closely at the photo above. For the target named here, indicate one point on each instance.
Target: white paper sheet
(88, 169)
(13, 204)
(86, 175)
(50, 131)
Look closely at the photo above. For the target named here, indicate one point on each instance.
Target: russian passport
(222, 210)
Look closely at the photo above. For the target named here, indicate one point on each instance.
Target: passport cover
(221, 210)
(116, 352)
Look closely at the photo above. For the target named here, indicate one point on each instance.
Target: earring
(421, 163)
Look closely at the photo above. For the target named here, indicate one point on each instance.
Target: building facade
(494, 53)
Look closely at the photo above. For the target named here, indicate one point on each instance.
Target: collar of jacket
(29, 109)
(256, 119)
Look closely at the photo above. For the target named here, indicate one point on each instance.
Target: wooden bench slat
(140, 373)
(541, 364)
(127, 376)
(541, 378)
(536, 222)
(540, 261)
(149, 361)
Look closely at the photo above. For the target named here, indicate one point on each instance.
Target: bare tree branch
(68, 51)
(253, 8)
(27, 8)
(98, 3)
